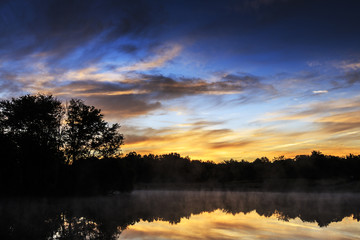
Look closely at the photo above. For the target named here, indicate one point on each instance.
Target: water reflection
(219, 225)
(108, 217)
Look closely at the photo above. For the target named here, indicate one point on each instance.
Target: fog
(106, 217)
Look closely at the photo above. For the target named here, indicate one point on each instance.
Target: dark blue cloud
(88, 30)
(292, 29)
(62, 29)
(71, 34)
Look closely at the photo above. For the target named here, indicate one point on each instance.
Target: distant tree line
(51, 148)
(304, 172)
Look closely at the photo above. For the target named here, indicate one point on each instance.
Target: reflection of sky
(219, 225)
(213, 80)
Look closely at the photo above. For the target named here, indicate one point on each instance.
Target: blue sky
(210, 79)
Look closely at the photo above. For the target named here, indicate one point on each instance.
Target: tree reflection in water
(107, 217)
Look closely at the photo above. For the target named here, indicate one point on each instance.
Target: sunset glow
(212, 80)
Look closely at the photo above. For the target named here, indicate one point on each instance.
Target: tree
(35, 116)
(36, 137)
(31, 138)
(110, 141)
(87, 135)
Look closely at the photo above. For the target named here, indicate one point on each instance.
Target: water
(184, 215)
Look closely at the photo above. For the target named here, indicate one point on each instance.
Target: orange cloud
(330, 128)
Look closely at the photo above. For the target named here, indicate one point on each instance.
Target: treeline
(51, 148)
(304, 172)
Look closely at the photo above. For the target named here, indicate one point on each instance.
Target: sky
(212, 80)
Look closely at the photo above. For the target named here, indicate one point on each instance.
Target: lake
(184, 215)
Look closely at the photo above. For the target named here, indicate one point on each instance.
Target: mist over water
(166, 214)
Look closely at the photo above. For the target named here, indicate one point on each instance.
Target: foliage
(87, 135)
(40, 139)
(30, 141)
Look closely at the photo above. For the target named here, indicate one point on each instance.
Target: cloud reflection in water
(184, 215)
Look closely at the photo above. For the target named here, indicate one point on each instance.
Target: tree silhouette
(40, 139)
(38, 117)
(31, 138)
(87, 134)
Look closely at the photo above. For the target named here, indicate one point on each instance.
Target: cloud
(230, 144)
(134, 59)
(123, 106)
(304, 127)
(294, 131)
(349, 65)
(135, 139)
(81, 29)
(8, 82)
(135, 94)
(141, 135)
(195, 139)
(320, 91)
(93, 88)
(127, 93)
(340, 122)
(201, 124)
(128, 48)
(298, 85)
(211, 142)
(315, 110)
(352, 77)
(165, 56)
(166, 87)
(350, 73)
